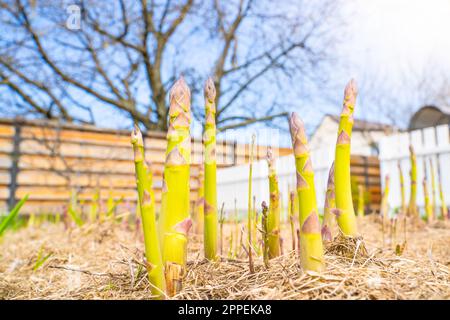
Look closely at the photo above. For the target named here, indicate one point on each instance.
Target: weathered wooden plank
(371, 180)
(51, 134)
(361, 160)
(91, 157)
(3, 207)
(76, 166)
(6, 145)
(5, 161)
(101, 152)
(5, 178)
(361, 170)
(6, 130)
(63, 193)
(49, 178)
(76, 150)
(375, 198)
(374, 189)
(4, 194)
(46, 162)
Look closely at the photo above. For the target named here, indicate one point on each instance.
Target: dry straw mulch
(105, 261)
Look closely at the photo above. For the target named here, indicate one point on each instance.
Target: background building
(365, 137)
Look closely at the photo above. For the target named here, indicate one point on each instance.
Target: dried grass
(105, 261)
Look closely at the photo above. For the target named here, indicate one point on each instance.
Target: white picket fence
(429, 143)
(232, 183)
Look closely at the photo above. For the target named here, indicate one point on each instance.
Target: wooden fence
(430, 144)
(365, 171)
(48, 160)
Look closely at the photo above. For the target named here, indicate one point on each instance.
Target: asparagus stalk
(360, 200)
(402, 189)
(311, 252)
(412, 208)
(110, 205)
(221, 221)
(329, 220)
(282, 210)
(57, 217)
(428, 210)
(209, 139)
(241, 241)
(393, 221)
(433, 188)
(273, 218)
(289, 205)
(292, 218)
(265, 234)
(73, 209)
(255, 227)
(200, 202)
(249, 213)
(296, 209)
(281, 246)
(230, 246)
(94, 214)
(258, 221)
(427, 203)
(236, 229)
(31, 220)
(403, 207)
(146, 199)
(444, 211)
(175, 222)
(297, 232)
(344, 204)
(384, 200)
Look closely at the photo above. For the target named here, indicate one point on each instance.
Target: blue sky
(388, 46)
(394, 42)
(391, 44)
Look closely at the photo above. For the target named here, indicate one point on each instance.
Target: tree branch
(266, 68)
(252, 121)
(122, 104)
(178, 20)
(27, 98)
(228, 36)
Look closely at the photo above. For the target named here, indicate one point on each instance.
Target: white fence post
(429, 143)
(232, 183)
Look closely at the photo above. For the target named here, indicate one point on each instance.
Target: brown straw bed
(105, 261)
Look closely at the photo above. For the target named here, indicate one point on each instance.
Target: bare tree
(395, 95)
(61, 61)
